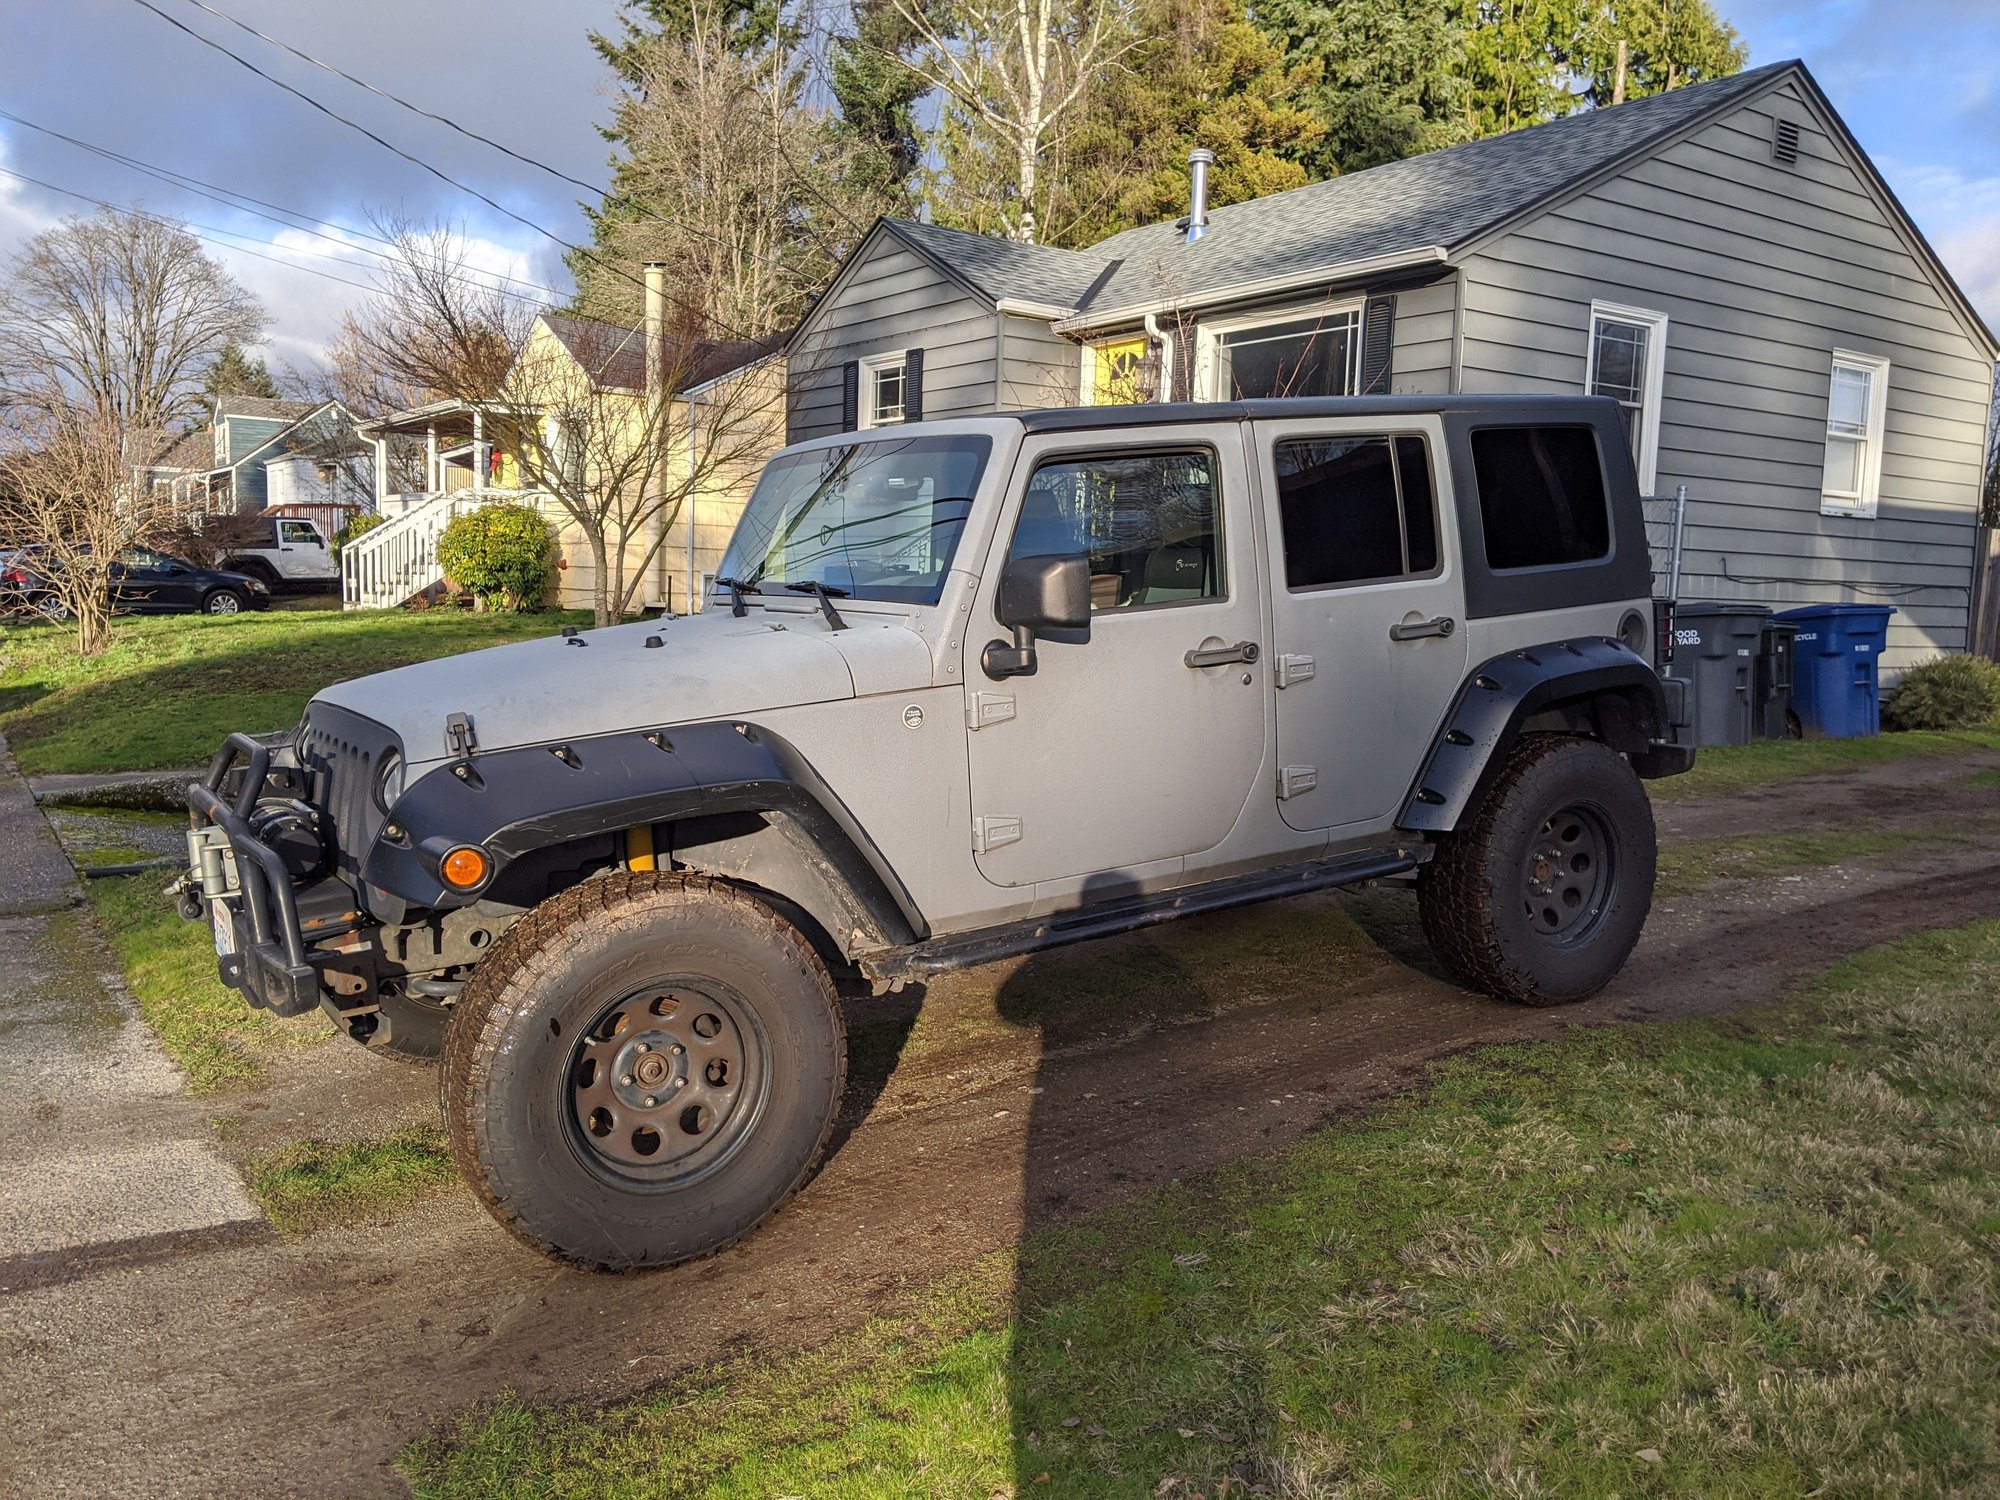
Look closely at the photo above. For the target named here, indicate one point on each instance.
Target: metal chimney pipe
(1199, 161)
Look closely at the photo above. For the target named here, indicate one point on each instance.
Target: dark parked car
(25, 591)
(148, 582)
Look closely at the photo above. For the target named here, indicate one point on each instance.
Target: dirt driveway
(1002, 1099)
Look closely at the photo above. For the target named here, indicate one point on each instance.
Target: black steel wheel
(643, 1069)
(668, 1081)
(1570, 875)
(1540, 894)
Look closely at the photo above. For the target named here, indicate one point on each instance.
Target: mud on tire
(643, 1069)
(1540, 896)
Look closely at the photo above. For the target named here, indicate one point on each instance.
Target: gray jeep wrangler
(966, 689)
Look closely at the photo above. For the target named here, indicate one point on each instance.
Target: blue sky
(1917, 81)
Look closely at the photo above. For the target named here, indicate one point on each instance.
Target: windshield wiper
(826, 594)
(737, 589)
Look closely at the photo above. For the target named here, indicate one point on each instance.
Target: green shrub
(1946, 692)
(353, 526)
(500, 554)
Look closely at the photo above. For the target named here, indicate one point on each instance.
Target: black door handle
(1222, 656)
(1441, 626)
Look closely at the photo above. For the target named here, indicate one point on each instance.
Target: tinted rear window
(1541, 496)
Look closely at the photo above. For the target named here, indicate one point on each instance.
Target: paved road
(105, 1158)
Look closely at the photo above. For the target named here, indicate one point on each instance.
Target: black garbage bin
(1777, 653)
(1716, 646)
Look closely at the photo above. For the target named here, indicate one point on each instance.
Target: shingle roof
(1443, 198)
(193, 452)
(1005, 268)
(262, 407)
(612, 356)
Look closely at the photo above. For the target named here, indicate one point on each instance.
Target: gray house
(1723, 260)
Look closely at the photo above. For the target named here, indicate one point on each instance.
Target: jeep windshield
(873, 519)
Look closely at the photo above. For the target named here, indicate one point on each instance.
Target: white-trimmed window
(1857, 403)
(1312, 350)
(1628, 363)
(884, 389)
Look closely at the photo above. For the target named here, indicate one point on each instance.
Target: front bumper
(243, 887)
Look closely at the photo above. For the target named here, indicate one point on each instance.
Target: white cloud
(1960, 213)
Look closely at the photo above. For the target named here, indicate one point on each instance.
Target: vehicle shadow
(1077, 1334)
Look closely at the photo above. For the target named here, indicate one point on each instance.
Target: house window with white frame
(1857, 404)
(1627, 361)
(1313, 351)
(884, 389)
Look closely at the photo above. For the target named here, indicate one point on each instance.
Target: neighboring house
(258, 453)
(435, 461)
(1723, 260)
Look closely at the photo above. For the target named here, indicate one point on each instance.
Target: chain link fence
(1666, 529)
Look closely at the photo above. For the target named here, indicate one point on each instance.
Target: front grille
(342, 752)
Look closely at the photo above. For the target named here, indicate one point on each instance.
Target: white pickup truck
(286, 553)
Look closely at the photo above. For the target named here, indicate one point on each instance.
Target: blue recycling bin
(1836, 684)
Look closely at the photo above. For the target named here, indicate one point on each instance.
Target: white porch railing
(392, 564)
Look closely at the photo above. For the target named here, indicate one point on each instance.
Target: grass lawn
(1754, 1256)
(314, 1184)
(169, 966)
(172, 686)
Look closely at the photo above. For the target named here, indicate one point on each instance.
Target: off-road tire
(252, 567)
(1474, 899)
(224, 601)
(510, 1066)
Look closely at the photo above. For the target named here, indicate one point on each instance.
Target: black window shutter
(913, 386)
(1378, 338)
(850, 395)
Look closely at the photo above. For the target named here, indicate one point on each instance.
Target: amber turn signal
(464, 868)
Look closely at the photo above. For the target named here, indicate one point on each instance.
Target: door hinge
(989, 834)
(1293, 669)
(1294, 781)
(982, 709)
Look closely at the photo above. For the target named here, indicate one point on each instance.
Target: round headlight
(389, 781)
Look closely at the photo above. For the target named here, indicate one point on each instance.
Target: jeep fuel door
(1368, 609)
(1139, 742)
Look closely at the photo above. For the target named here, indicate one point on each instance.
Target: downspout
(1166, 343)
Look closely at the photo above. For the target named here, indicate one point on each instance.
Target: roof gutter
(1242, 291)
(1019, 308)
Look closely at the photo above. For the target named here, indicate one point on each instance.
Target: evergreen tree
(1668, 44)
(1391, 77)
(878, 92)
(1203, 76)
(235, 373)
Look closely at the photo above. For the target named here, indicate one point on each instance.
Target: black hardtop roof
(1283, 408)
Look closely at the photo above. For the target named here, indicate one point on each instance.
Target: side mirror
(1037, 594)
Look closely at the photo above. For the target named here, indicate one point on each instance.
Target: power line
(416, 161)
(276, 213)
(397, 99)
(188, 228)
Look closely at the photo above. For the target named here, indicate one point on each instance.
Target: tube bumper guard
(245, 888)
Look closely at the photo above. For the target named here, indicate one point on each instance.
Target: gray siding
(893, 300)
(1761, 270)
(1421, 362)
(1041, 366)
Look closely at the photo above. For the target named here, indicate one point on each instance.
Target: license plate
(225, 929)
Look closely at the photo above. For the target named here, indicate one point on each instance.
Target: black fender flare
(509, 802)
(1498, 698)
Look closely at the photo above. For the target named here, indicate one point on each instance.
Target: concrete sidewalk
(106, 1156)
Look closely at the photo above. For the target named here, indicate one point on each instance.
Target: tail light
(1663, 632)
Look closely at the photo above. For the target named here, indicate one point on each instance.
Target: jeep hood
(706, 666)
